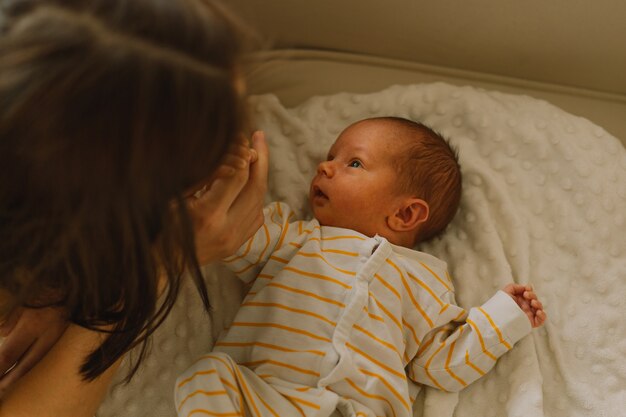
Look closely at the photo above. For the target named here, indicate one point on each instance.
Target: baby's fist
(527, 300)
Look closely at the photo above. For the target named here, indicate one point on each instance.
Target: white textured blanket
(544, 202)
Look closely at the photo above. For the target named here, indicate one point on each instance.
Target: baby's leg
(217, 385)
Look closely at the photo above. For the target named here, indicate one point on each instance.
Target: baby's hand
(526, 299)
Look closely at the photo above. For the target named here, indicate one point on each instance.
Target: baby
(342, 314)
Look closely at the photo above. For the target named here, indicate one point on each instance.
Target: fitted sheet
(544, 202)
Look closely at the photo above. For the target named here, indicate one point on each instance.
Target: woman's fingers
(249, 204)
(31, 356)
(254, 156)
(27, 360)
(244, 167)
(237, 158)
(10, 322)
(224, 190)
(34, 334)
(250, 200)
(229, 210)
(259, 170)
(13, 348)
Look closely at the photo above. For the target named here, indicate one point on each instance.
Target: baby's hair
(428, 168)
(109, 111)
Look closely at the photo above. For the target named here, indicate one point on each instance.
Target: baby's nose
(325, 168)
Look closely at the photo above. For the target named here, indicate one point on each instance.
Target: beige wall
(569, 42)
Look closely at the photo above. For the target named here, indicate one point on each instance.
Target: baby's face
(355, 187)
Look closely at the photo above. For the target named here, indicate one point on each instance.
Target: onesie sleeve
(250, 258)
(465, 345)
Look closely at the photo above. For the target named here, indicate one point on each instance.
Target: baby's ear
(409, 215)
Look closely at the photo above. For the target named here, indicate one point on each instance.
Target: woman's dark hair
(109, 111)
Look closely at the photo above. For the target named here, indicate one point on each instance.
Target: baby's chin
(326, 217)
(328, 221)
(322, 221)
(325, 220)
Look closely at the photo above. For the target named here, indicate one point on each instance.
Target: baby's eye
(355, 164)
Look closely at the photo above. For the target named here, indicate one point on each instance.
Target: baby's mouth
(317, 192)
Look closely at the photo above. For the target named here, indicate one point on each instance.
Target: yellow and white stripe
(337, 317)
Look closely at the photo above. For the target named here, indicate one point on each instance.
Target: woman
(113, 115)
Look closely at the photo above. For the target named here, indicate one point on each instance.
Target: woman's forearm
(54, 387)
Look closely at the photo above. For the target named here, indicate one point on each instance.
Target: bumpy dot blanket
(544, 202)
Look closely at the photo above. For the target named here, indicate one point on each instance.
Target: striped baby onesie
(338, 320)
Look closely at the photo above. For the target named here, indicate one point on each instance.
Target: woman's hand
(229, 209)
(29, 333)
